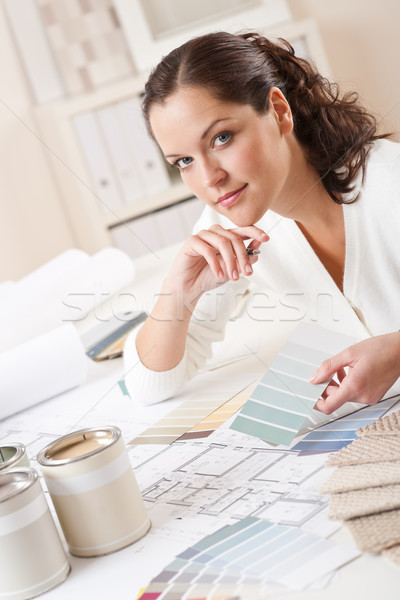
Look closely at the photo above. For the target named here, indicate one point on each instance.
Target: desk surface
(121, 574)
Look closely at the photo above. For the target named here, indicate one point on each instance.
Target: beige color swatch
(357, 477)
(374, 533)
(368, 449)
(358, 503)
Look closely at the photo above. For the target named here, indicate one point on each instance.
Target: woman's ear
(279, 107)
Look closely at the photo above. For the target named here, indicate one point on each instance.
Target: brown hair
(335, 132)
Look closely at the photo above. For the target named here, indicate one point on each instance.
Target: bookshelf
(93, 228)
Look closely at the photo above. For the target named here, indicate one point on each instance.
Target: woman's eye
(222, 138)
(184, 162)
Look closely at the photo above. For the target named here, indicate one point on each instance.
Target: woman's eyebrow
(203, 135)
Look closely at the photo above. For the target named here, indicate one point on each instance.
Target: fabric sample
(358, 503)
(388, 425)
(368, 449)
(374, 533)
(357, 477)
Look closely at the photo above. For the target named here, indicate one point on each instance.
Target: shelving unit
(89, 224)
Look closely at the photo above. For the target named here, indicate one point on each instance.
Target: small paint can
(94, 491)
(12, 456)
(33, 559)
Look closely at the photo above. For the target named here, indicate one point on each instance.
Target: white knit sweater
(290, 272)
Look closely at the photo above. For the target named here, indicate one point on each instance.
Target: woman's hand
(373, 366)
(212, 257)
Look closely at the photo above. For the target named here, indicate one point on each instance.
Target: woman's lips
(230, 197)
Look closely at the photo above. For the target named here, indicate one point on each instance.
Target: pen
(252, 252)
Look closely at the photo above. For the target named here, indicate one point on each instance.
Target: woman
(281, 160)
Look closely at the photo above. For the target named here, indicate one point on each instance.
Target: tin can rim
(29, 477)
(45, 456)
(20, 451)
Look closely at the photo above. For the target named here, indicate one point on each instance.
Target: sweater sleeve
(207, 325)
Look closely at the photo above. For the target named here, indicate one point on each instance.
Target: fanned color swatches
(244, 558)
(203, 396)
(208, 425)
(340, 433)
(283, 401)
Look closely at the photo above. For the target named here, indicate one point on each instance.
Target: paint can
(94, 491)
(33, 559)
(12, 456)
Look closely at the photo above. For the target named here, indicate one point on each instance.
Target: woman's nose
(213, 173)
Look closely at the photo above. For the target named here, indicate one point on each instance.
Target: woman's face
(235, 160)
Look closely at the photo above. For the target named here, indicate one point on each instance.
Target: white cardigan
(290, 272)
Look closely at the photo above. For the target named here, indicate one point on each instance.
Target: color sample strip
(284, 398)
(217, 418)
(249, 554)
(340, 433)
(177, 422)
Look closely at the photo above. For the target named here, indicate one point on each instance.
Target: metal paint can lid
(15, 481)
(78, 445)
(10, 454)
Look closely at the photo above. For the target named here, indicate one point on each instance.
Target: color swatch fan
(283, 402)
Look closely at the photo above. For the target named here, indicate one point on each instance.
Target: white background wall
(361, 40)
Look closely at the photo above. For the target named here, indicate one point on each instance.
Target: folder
(148, 159)
(98, 162)
(129, 178)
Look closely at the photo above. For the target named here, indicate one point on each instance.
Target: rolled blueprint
(41, 368)
(63, 290)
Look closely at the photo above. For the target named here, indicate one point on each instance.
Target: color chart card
(334, 436)
(249, 555)
(284, 398)
(208, 425)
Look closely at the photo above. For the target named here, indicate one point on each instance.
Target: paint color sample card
(249, 555)
(203, 395)
(340, 433)
(217, 418)
(284, 399)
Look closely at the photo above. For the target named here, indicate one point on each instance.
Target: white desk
(120, 575)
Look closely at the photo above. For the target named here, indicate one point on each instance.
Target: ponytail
(336, 132)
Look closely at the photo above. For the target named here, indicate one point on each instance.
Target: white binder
(114, 134)
(145, 151)
(98, 162)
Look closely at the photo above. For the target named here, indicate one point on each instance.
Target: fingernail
(265, 236)
(313, 377)
(248, 268)
(235, 274)
(220, 275)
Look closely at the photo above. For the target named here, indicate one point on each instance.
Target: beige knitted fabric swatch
(358, 503)
(358, 477)
(374, 533)
(368, 449)
(393, 554)
(388, 425)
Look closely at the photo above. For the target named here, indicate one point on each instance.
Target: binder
(148, 159)
(128, 176)
(98, 163)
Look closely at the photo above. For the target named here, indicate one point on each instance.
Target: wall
(33, 227)
(362, 43)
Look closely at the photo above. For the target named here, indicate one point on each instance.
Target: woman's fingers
(230, 244)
